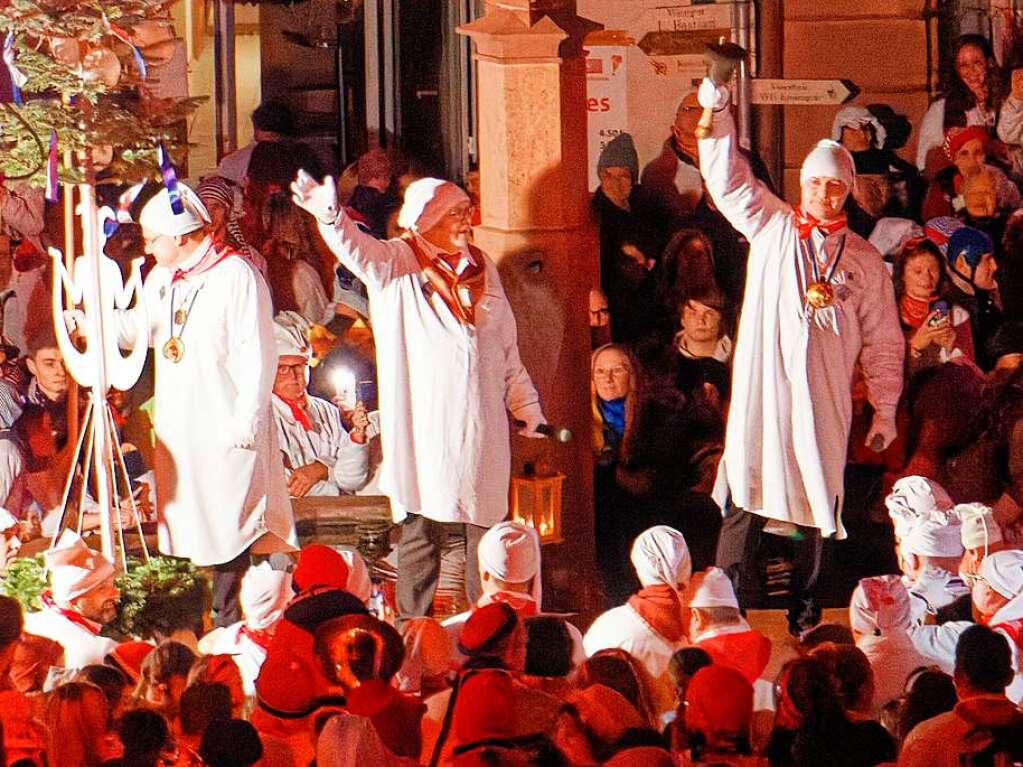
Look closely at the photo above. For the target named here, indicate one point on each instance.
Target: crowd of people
(747, 360)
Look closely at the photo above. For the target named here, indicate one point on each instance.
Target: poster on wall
(606, 98)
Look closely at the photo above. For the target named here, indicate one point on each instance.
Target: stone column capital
(502, 34)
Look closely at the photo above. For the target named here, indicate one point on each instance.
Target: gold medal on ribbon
(174, 350)
(819, 295)
(180, 316)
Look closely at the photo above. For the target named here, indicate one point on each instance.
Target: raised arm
(741, 197)
(373, 261)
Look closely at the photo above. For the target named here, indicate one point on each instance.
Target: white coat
(893, 657)
(791, 409)
(445, 385)
(246, 654)
(214, 500)
(81, 646)
(327, 442)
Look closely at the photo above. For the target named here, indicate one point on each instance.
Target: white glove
(712, 96)
(74, 319)
(882, 434)
(320, 200)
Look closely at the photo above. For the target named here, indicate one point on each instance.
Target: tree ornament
(103, 65)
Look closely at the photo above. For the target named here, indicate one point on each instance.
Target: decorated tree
(78, 69)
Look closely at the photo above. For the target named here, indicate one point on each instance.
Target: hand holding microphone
(544, 430)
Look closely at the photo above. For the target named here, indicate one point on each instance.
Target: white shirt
(81, 647)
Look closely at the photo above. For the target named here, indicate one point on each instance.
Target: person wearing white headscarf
(858, 118)
(818, 305)
(321, 458)
(509, 561)
(81, 599)
(220, 486)
(265, 593)
(448, 370)
(998, 597)
(650, 625)
(929, 544)
(879, 615)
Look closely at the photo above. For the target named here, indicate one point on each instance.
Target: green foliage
(84, 112)
(161, 596)
(25, 579)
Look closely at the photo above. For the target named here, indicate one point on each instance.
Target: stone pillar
(537, 227)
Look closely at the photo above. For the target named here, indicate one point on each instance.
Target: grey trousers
(419, 554)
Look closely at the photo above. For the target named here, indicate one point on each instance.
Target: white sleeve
(351, 469)
(1010, 121)
(740, 196)
(252, 363)
(373, 261)
(11, 467)
(938, 643)
(932, 132)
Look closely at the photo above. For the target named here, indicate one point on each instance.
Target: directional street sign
(802, 92)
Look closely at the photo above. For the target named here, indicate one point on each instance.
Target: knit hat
(854, 116)
(829, 159)
(483, 708)
(719, 703)
(939, 230)
(712, 588)
(318, 566)
(486, 629)
(290, 329)
(955, 137)
(879, 605)
(510, 551)
(426, 202)
(157, 216)
(128, 657)
(291, 686)
(1003, 572)
(970, 243)
(660, 555)
(979, 528)
(264, 595)
(620, 152)
(75, 569)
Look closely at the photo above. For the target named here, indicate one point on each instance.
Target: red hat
(128, 657)
(956, 137)
(719, 703)
(320, 565)
(483, 708)
(291, 686)
(486, 629)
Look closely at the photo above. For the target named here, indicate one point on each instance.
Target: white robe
(245, 653)
(445, 386)
(791, 409)
(81, 647)
(327, 442)
(893, 657)
(214, 500)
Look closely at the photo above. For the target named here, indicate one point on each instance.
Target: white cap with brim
(712, 588)
(291, 334)
(157, 216)
(75, 569)
(829, 159)
(510, 551)
(264, 594)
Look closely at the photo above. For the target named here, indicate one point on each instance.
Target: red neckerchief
(259, 638)
(298, 410)
(913, 310)
(72, 615)
(459, 291)
(660, 607)
(807, 223)
(210, 258)
(522, 604)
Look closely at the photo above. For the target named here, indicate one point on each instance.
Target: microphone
(550, 432)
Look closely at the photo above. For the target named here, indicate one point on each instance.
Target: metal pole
(224, 72)
(342, 102)
(741, 27)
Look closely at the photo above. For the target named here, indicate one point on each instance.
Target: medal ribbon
(811, 253)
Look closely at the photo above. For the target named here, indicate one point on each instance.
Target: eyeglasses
(461, 213)
(614, 372)
(298, 369)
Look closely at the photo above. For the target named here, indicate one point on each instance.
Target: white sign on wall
(606, 100)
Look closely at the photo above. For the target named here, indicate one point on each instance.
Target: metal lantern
(536, 501)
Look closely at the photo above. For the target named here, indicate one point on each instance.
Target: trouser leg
(807, 556)
(227, 581)
(473, 587)
(738, 546)
(419, 550)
